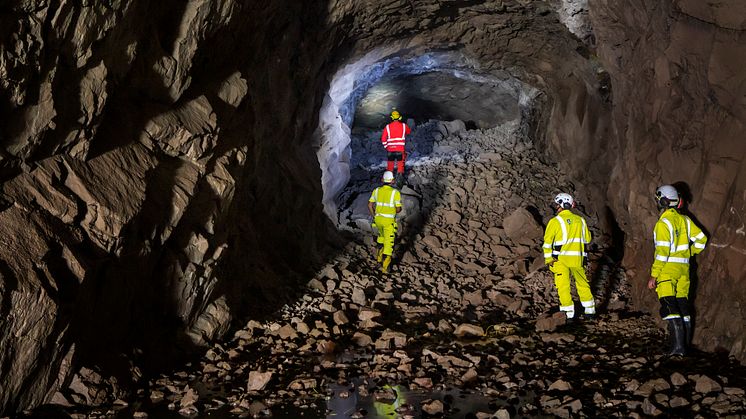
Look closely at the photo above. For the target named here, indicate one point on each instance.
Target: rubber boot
(677, 335)
(689, 335)
(379, 255)
(386, 263)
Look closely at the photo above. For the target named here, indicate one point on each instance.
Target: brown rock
(326, 347)
(650, 386)
(466, 329)
(424, 382)
(452, 217)
(258, 380)
(551, 323)
(432, 407)
(560, 385)
(340, 318)
(521, 227)
(361, 339)
(705, 384)
(677, 379)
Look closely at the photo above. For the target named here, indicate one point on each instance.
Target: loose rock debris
(465, 324)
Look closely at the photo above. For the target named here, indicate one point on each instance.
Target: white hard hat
(564, 200)
(667, 196)
(388, 176)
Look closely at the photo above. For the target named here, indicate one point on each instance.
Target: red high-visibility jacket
(394, 135)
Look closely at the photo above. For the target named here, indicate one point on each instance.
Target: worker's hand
(651, 283)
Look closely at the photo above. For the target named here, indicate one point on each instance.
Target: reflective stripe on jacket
(565, 239)
(387, 200)
(676, 239)
(394, 136)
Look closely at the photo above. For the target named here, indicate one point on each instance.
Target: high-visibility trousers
(398, 157)
(672, 287)
(673, 283)
(562, 281)
(386, 233)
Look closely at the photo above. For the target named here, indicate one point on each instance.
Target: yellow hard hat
(395, 115)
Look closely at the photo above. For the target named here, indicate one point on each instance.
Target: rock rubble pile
(465, 323)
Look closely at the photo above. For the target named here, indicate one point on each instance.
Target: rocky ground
(465, 326)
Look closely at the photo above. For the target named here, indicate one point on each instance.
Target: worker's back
(387, 199)
(567, 234)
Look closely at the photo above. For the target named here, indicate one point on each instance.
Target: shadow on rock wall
(177, 228)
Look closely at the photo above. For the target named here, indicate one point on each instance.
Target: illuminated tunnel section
(430, 86)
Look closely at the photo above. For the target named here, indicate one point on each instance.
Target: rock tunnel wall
(160, 178)
(677, 71)
(155, 179)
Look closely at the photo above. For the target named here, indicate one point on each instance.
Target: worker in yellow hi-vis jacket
(676, 239)
(564, 251)
(383, 205)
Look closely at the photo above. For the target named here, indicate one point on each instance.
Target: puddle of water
(345, 403)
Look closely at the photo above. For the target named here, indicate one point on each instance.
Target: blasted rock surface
(134, 170)
(679, 117)
(158, 177)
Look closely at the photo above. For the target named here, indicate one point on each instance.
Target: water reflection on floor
(347, 403)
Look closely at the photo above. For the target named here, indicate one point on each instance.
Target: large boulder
(521, 227)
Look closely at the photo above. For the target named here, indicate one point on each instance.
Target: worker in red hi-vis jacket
(393, 138)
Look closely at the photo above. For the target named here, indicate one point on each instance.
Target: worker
(676, 238)
(564, 251)
(393, 139)
(383, 205)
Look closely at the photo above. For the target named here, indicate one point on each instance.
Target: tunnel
(185, 190)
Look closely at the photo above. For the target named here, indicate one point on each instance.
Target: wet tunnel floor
(463, 324)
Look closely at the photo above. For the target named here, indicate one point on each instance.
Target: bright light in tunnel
(372, 77)
(379, 98)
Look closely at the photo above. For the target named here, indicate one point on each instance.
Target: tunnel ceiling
(161, 160)
(439, 96)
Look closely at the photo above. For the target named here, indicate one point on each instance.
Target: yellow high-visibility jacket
(676, 238)
(565, 239)
(387, 200)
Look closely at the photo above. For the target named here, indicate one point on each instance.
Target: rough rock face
(679, 114)
(144, 206)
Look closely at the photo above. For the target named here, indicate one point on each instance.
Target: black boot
(677, 334)
(688, 334)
